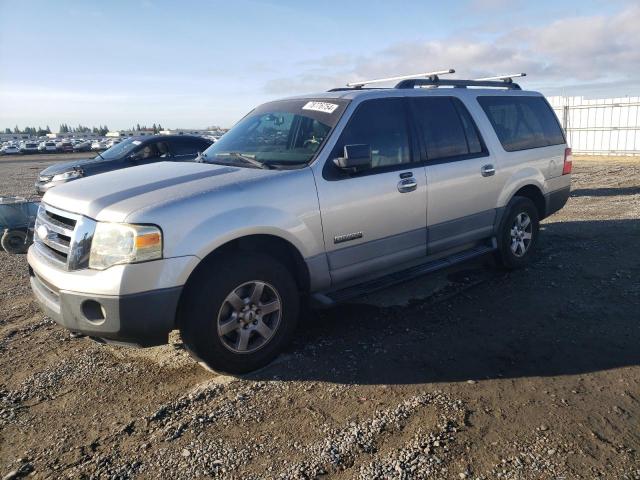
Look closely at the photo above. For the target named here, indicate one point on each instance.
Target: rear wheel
(239, 314)
(14, 241)
(518, 233)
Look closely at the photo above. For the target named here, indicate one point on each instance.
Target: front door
(374, 220)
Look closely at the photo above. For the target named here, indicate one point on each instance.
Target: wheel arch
(277, 247)
(533, 193)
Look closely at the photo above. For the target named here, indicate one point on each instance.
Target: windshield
(120, 150)
(278, 134)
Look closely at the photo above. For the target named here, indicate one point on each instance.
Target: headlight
(67, 175)
(117, 243)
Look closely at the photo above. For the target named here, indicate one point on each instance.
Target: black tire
(206, 300)
(14, 241)
(518, 207)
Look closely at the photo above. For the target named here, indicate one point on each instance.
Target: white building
(73, 135)
(129, 133)
(188, 131)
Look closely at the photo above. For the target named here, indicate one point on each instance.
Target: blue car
(131, 152)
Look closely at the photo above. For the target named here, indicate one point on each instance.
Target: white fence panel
(606, 126)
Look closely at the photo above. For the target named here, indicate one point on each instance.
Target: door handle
(407, 185)
(487, 170)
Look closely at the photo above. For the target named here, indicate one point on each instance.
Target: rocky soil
(472, 373)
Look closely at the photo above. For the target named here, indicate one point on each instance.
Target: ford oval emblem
(43, 232)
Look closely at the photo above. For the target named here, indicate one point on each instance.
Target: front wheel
(238, 314)
(518, 233)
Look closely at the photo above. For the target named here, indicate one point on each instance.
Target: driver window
(381, 124)
(153, 150)
(163, 149)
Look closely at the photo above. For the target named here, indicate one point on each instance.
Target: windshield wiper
(247, 159)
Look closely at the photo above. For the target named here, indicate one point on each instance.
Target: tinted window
(155, 149)
(447, 128)
(470, 129)
(382, 125)
(188, 146)
(522, 122)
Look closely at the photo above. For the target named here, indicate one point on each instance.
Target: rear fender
(521, 178)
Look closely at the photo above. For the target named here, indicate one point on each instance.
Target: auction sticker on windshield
(324, 107)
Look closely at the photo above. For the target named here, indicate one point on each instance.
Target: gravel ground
(470, 373)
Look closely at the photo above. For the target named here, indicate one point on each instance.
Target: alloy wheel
(521, 234)
(249, 317)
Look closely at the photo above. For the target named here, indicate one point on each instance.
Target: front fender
(241, 222)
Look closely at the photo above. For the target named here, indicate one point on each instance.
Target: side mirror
(356, 158)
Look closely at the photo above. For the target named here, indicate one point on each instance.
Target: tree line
(101, 130)
(65, 128)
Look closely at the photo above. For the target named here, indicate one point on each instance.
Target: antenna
(504, 78)
(431, 75)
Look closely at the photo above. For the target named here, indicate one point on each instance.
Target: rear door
(376, 219)
(463, 191)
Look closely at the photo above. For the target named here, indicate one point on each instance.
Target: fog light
(93, 311)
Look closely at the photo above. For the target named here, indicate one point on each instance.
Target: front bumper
(144, 319)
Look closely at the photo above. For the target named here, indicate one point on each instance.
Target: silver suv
(321, 198)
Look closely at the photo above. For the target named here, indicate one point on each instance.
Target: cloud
(573, 51)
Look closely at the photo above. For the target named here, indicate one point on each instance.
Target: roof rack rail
(431, 75)
(427, 82)
(504, 78)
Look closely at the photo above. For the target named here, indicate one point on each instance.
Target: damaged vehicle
(307, 200)
(131, 152)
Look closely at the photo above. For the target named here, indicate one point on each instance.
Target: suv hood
(113, 196)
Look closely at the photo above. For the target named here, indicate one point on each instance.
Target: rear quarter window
(189, 146)
(522, 123)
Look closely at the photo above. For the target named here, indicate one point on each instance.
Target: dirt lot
(471, 373)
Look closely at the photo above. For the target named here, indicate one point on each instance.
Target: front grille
(55, 237)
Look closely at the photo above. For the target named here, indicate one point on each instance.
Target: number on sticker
(324, 107)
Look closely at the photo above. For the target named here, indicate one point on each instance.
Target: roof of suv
(364, 93)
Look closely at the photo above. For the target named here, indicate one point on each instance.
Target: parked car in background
(84, 146)
(128, 153)
(10, 149)
(112, 142)
(47, 147)
(28, 147)
(324, 197)
(65, 146)
(98, 145)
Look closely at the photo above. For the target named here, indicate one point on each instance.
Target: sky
(193, 64)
